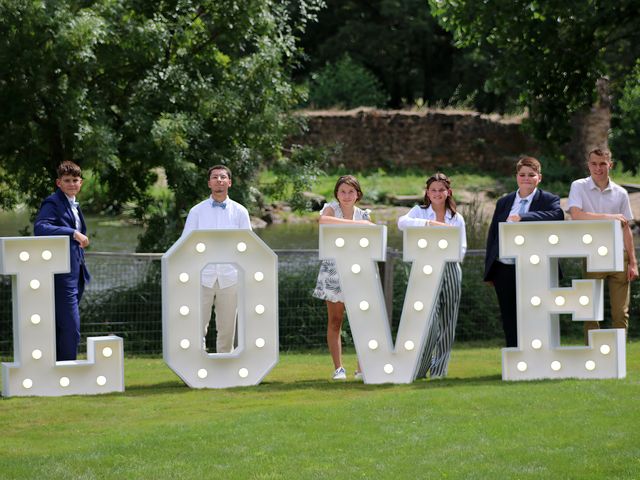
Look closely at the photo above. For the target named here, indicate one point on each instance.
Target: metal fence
(124, 298)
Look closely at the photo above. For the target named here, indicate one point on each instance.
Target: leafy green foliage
(345, 84)
(296, 173)
(405, 48)
(625, 139)
(123, 87)
(548, 54)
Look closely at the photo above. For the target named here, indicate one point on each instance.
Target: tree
(124, 86)
(403, 45)
(625, 138)
(345, 84)
(551, 53)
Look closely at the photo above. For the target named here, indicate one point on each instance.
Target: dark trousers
(504, 281)
(68, 292)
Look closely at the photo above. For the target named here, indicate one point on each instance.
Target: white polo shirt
(204, 216)
(586, 196)
(418, 217)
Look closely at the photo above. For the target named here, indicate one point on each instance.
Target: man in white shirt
(597, 197)
(219, 282)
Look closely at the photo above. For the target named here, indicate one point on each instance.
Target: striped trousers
(437, 351)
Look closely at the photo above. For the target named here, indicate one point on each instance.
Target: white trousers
(225, 301)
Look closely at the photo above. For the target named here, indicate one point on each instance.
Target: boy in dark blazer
(527, 204)
(60, 214)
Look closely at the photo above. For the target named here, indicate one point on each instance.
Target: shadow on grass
(315, 384)
(172, 386)
(322, 385)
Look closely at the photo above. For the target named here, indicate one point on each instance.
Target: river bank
(288, 229)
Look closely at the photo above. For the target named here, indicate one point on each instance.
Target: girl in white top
(347, 191)
(440, 209)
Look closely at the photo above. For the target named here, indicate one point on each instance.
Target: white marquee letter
(34, 260)
(257, 351)
(356, 248)
(537, 247)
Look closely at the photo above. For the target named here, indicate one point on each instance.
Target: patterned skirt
(328, 283)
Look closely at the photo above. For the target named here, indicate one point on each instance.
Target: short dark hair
(69, 168)
(531, 162)
(219, 167)
(349, 180)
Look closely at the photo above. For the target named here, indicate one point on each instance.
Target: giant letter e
(537, 247)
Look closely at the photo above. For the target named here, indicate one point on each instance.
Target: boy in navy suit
(527, 204)
(60, 214)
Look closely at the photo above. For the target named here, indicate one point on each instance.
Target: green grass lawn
(299, 424)
(376, 184)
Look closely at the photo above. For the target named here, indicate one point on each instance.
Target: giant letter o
(257, 351)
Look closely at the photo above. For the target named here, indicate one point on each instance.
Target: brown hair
(218, 167)
(531, 162)
(449, 203)
(599, 151)
(68, 168)
(349, 180)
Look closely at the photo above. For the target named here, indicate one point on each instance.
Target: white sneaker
(340, 374)
(357, 375)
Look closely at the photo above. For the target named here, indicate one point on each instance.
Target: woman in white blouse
(440, 209)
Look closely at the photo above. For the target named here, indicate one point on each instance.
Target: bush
(345, 84)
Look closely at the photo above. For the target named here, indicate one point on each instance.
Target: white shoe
(340, 374)
(357, 375)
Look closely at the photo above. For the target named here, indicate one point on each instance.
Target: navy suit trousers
(68, 294)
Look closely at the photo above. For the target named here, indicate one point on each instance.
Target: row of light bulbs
(364, 242)
(184, 310)
(556, 365)
(36, 354)
(553, 239)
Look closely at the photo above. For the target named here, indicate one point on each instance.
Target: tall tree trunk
(590, 127)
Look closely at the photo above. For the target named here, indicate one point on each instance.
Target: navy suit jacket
(56, 218)
(545, 206)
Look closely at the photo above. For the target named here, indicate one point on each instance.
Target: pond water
(115, 234)
(107, 234)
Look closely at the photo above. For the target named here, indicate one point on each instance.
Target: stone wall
(429, 139)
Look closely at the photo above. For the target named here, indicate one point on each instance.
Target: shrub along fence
(124, 298)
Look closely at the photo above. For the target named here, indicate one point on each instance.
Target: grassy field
(298, 424)
(377, 184)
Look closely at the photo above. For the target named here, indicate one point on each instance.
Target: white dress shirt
(515, 208)
(588, 197)
(418, 217)
(204, 216)
(74, 209)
